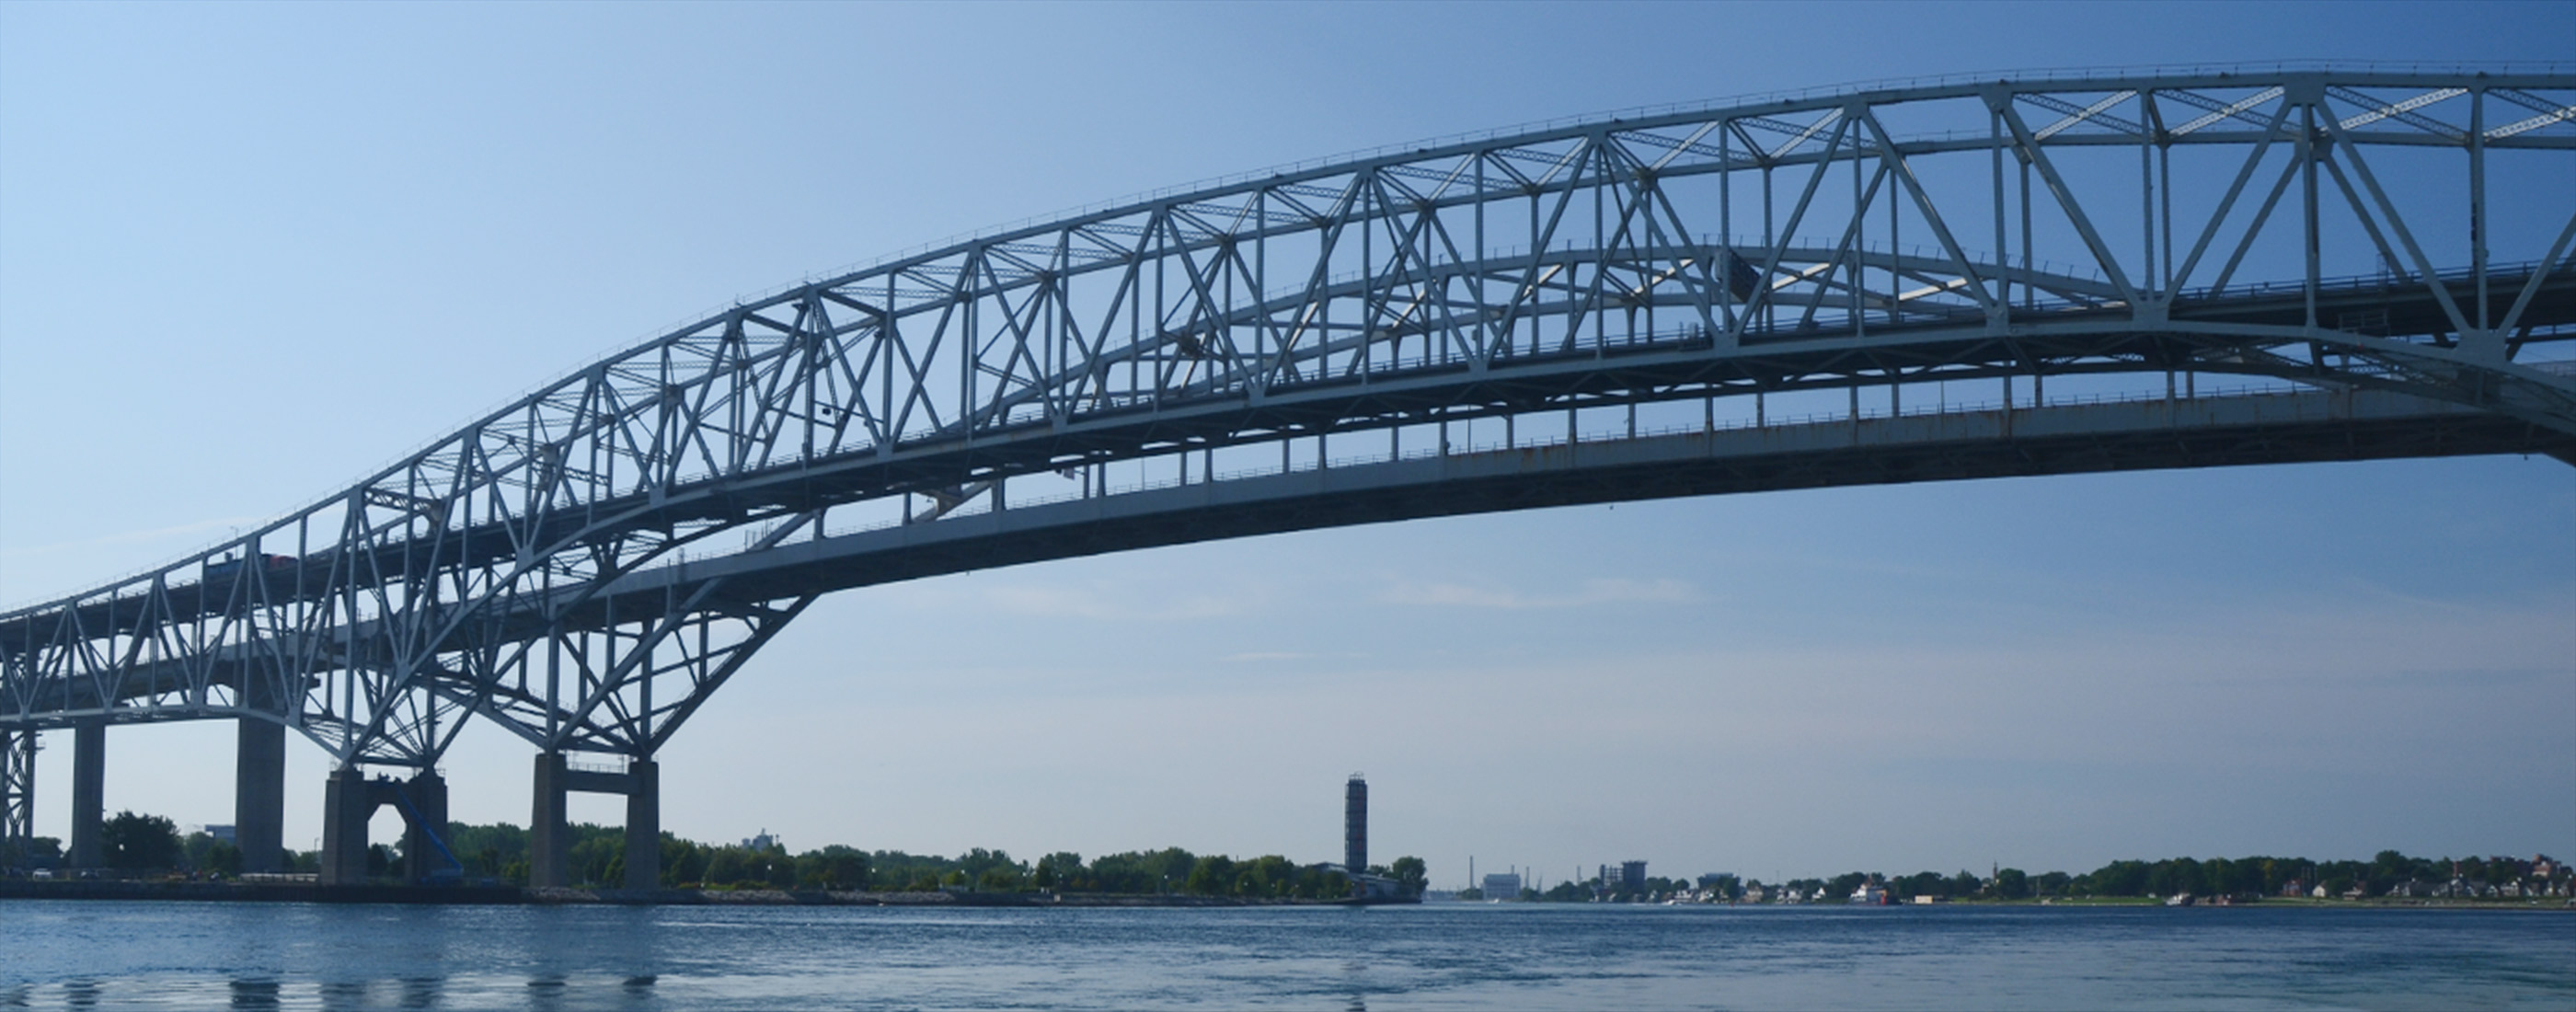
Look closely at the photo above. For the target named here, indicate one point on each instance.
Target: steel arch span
(1966, 278)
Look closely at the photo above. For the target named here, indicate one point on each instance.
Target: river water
(113, 955)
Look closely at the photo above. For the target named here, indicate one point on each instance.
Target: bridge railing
(1537, 440)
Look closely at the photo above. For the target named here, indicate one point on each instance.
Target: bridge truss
(2390, 251)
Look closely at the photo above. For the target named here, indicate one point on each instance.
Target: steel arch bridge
(2119, 271)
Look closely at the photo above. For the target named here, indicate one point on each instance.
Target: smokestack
(1355, 826)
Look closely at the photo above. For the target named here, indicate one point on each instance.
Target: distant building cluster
(2493, 878)
(2389, 875)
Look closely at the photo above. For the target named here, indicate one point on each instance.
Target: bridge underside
(2068, 439)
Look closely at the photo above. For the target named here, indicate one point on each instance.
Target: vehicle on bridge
(220, 570)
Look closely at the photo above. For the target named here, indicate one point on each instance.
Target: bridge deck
(2270, 428)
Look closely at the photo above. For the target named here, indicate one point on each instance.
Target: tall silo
(1355, 826)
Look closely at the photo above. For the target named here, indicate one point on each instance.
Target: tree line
(2245, 876)
(498, 853)
(146, 843)
(598, 857)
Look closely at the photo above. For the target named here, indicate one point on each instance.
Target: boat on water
(2178, 900)
(1870, 894)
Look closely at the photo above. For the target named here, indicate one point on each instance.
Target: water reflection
(254, 993)
(179, 956)
(546, 992)
(344, 994)
(421, 992)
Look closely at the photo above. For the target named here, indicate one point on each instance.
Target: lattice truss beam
(2399, 231)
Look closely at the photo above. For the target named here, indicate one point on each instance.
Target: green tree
(2011, 884)
(978, 861)
(1213, 875)
(1268, 876)
(1562, 892)
(833, 867)
(204, 853)
(684, 862)
(1060, 871)
(728, 865)
(2118, 878)
(1844, 885)
(133, 842)
(1413, 872)
(33, 852)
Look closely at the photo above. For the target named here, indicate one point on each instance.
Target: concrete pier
(549, 863)
(89, 792)
(643, 824)
(549, 844)
(259, 794)
(349, 802)
(425, 815)
(345, 811)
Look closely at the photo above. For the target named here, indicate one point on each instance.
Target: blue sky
(248, 253)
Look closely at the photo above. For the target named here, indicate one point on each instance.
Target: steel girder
(1986, 230)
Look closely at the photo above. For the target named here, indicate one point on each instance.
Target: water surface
(71, 954)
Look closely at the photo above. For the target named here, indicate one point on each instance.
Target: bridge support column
(643, 824)
(17, 785)
(346, 807)
(259, 795)
(426, 815)
(549, 857)
(89, 792)
(549, 863)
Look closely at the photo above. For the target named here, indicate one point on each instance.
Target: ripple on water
(1447, 956)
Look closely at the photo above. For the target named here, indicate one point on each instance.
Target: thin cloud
(1614, 590)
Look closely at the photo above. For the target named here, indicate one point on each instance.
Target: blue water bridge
(1967, 278)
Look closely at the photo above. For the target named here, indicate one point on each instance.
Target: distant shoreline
(465, 895)
(2546, 904)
